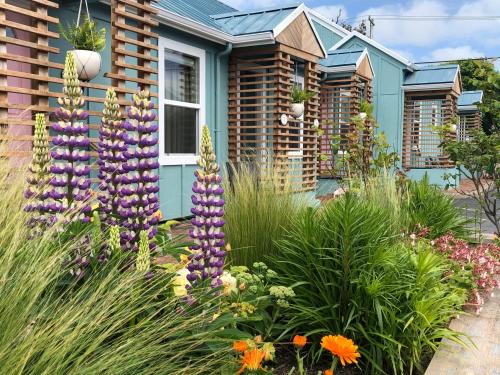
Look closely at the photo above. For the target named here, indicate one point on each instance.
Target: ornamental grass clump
(113, 322)
(70, 180)
(259, 209)
(111, 149)
(138, 189)
(207, 258)
(38, 179)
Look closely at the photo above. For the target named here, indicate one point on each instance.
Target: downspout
(217, 128)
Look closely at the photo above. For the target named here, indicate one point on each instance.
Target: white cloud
(332, 11)
(252, 4)
(454, 53)
(397, 32)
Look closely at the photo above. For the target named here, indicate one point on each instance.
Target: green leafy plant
(353, 276)
(361, 152)
(478, 160)
(85, 36)
(427, 206)
(300, 96)
(255, 203)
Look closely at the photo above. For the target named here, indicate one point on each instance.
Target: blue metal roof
(470, 98)
(197, 10)
(342, 57)
(240, 23)
(433, 74)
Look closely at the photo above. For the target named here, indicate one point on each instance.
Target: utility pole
(372, 25)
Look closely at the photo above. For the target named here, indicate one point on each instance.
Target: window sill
(178, 160)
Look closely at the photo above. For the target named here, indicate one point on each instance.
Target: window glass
(181, 77)
(180, 129)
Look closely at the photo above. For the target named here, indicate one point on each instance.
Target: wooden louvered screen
(24, 72)
(25, 44)
(260, 84)
(134, 47)
(469, 121)
(422, 112)
(340, 100)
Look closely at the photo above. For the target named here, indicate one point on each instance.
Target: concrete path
(484, 330)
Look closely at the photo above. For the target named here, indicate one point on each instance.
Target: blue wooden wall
(327, 36)
(175, 181)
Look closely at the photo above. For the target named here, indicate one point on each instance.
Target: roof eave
(338, 69)
(339, 30)
(428, 87)
(188, 25)
(464, 108)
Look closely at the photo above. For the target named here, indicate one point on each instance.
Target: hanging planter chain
(84, 72)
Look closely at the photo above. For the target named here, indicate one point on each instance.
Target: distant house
(469, 113)
(207, 63)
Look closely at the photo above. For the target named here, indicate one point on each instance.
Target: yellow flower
(257, 339)
(341, 347)
(329, 372)
(251, 360)
(158, 215)
(269, 351)
(180, 282)
(95, 206)
(229, 283)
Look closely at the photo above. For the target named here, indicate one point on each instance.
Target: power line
(427, 18)
(455, 60)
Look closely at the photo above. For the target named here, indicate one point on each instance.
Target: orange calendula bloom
(329, 372)
(240, 346)
(251, 360)
(341, 347)
(299, 341)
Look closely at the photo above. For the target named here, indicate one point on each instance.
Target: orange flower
(341, 347)
(329, 372)
(252, 360)
(240, 346)
(299, 341)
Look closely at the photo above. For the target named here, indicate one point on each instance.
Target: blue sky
(427, 40)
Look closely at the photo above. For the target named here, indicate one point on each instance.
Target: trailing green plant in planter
(88, 42)
(299, 97)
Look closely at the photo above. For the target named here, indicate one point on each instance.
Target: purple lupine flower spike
(111, 149)
(38, 191)
(70, 181)
(138, 190)
(207, 259)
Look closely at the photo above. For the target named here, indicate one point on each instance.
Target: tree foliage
(482, 75)
(479, 160)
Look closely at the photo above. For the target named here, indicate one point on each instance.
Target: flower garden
(262, 282)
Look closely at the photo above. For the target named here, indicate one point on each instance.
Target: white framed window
(181, 75)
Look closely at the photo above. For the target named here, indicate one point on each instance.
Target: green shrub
(258, 210)
(352, 276)
(426, 206)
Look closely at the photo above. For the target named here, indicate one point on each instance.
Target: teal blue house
(208, 63)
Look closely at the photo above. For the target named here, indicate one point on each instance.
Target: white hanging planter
(88, 63)
(297, 109)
